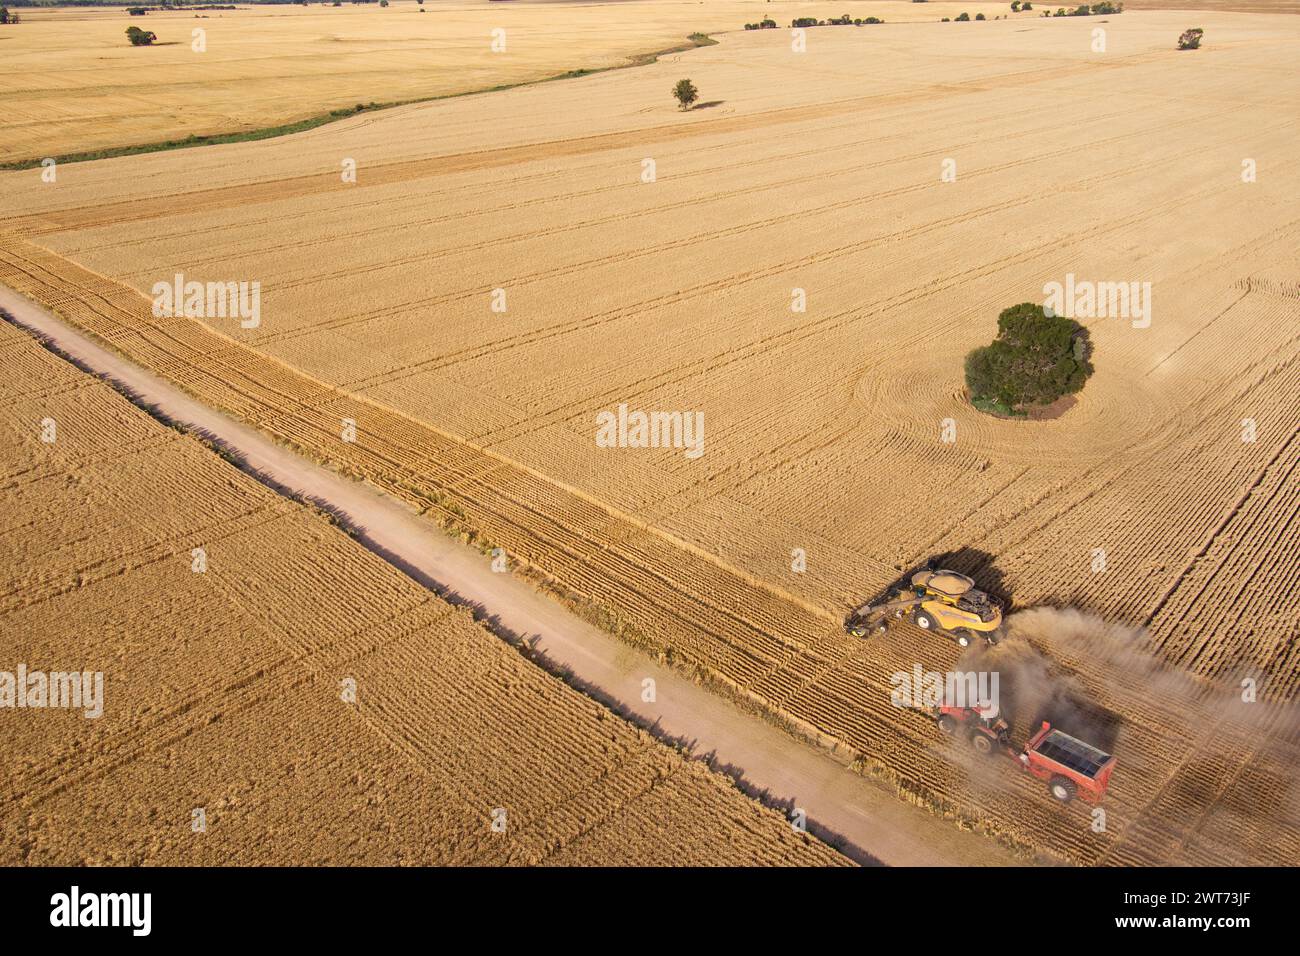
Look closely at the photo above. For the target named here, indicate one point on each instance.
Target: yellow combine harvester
(936, 600)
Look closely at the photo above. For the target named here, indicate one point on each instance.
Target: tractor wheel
(982, 744)
(947, 725)
(858, 631)
(962, 638)
(1062, 788)
(993, 637)
(925, 622)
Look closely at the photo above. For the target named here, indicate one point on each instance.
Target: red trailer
(1071, 767)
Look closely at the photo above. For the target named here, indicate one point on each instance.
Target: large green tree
(1035, 359)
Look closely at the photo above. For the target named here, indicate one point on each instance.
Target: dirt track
(840, 805)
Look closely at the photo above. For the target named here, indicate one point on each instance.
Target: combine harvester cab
(937, 600)
(1070, 766)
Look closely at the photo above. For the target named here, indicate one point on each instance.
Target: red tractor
(1071, 767)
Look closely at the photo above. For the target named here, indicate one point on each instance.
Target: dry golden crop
(1163, 501)
(223, 689)
(73, 84)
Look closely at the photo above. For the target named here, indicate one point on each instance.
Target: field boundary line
(347, 112)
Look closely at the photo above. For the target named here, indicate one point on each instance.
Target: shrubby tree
(963, 17)
(1191, 39)
(140, 37)
(1035, 359)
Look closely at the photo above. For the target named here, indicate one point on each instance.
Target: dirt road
(864, 819)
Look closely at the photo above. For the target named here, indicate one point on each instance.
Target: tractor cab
(985, 730)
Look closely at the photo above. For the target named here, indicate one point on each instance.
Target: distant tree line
(844, 21)
(1105, 8)
(1096, 9)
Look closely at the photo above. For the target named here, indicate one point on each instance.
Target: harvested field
(818, 172)
(222, 688)
(73, 84)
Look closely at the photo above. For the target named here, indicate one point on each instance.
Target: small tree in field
(140, 37)
(1191, 39)
(686, 94)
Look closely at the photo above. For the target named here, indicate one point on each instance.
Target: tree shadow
(709, 105)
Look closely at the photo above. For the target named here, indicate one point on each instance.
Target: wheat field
(73, 84)
(223, 689)
(842, 431)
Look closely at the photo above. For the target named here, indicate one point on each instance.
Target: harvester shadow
(972, 562)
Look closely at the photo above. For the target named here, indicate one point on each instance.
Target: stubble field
(223, 690)
(73, 84)
(820, 172)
